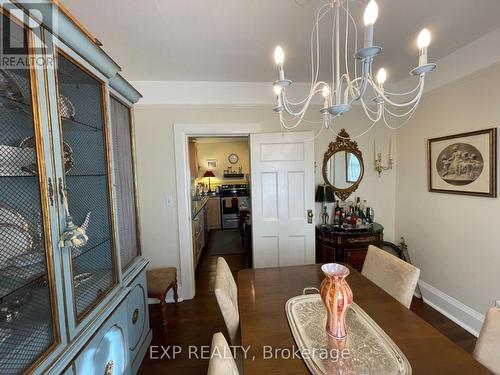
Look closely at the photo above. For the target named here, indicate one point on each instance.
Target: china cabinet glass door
(85, 158)
(123, 163)
(27, 314)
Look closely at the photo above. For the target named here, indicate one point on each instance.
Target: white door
(282, 170)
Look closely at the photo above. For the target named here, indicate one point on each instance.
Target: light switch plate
(497, 303)
(169, 200)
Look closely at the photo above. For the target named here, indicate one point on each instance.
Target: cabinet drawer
(106, 353)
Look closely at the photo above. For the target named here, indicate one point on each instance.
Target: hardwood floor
(192, 323)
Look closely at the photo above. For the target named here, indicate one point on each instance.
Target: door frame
(183, 183)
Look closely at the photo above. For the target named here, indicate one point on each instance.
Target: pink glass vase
(337, 297)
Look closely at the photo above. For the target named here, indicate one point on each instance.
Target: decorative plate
(69, 160)
(27, 259)
(14, 241)
(10, 216)
(233, 158)
(11, 94)
(66, 107)
(9, 88)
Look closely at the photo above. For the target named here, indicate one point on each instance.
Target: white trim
(181, 134)
(244, 94)
(467, 318)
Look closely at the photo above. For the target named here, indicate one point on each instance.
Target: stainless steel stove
(233, 198)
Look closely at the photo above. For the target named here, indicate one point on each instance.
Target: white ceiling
(233, 40)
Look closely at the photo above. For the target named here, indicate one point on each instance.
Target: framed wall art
(212, 164)
(464, 163)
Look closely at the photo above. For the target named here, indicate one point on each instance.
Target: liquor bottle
(354, 219)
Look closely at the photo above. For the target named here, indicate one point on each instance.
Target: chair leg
(176, 296)
(163, 306)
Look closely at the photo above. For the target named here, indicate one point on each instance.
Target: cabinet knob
(110, 366)
(135, 316)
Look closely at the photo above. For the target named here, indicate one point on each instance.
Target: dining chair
(488, 343)
(392, 274)
(226, 293)
(221, 359)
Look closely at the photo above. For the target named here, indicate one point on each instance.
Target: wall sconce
(379, 167)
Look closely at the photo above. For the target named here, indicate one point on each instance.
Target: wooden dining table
(262, 294)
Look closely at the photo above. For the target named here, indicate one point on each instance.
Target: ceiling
(233, 40)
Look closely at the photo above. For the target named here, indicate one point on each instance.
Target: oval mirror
(343, 167)
(343, 170)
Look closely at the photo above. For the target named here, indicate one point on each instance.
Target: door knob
(310, 216)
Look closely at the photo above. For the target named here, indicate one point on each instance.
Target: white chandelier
(346, 86)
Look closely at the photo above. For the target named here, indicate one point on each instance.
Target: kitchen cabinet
(214, 218)
(67, 156)
(193, 159)
(200, 230)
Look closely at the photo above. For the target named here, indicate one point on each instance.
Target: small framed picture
(464, 163)
(211, 164)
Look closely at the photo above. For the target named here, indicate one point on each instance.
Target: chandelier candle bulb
(370, 16)
(279, 59)
(326, 95)
(423, 41)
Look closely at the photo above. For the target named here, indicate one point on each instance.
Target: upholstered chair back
(487, 349)
(392, 274)
(226, 293)
(221, 359)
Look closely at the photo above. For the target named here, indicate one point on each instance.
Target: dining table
(269, 343)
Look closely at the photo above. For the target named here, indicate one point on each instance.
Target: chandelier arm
(349, 15)
(303, 111)
(411, 102)
(286, 102)
(352, 137)
(364, 77)
(379, 111)
(402, 124)
(404, 93)
(304, 120)
(404, 114)
(314, 73)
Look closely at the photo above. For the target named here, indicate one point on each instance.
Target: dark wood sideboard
(349, 247)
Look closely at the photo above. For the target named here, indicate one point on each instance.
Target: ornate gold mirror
(343, 166)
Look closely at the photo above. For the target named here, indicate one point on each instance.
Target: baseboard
(467, 318)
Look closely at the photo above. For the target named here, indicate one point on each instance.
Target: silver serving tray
(367, 348)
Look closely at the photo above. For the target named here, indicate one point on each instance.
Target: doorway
(182, 133)
(220, 197)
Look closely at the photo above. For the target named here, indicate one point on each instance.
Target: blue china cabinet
(67, 158)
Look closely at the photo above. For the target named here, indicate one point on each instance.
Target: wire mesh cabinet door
(85, 185)
(29, 330)
(125, 187)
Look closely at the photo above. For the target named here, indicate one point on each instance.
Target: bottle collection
(352, 214)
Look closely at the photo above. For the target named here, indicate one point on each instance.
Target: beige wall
(156, 168)
(454, 239)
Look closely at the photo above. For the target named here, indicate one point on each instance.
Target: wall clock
(233, 158)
